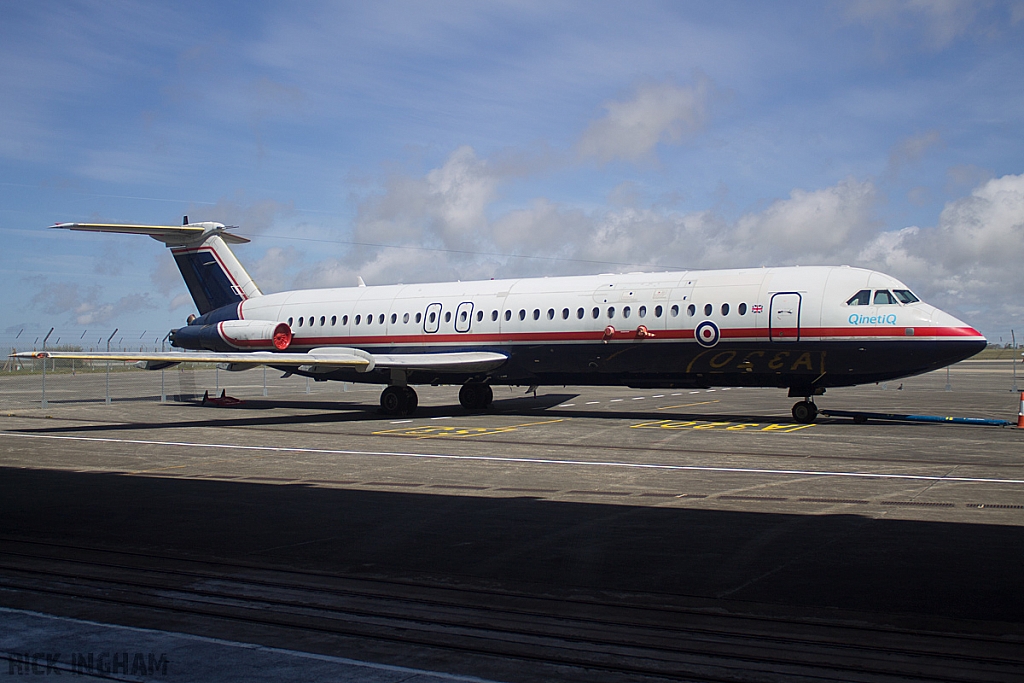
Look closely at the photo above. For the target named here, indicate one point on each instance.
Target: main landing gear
(805, 411)
(475, 395)
(399, 400)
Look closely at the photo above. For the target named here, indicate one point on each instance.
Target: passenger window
(675, 310)
(479, 316)
(596, 312)
(883, 296)
(419, 316)
(708, 308)
(290, 322)
(861, 298)
(691, 310)
(358, 318)
(580, 313)
(323, 321)
(405, 318)
(742, 310)
(462, 317)
(625, 311)
(448, 316)
(508, 314)
(657, 311)
(522, 314)
(494, 315)
(725, 309)
(551, 314)
(300, 321)
(565, 314)
(905, 296)
(394, 318)
(536, 314)
(611, 311)
(642, 311)
(433, 316)
(344, 320)
(334, 320)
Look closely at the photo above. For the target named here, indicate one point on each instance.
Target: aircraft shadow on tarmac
(912, 571)
(324, 412)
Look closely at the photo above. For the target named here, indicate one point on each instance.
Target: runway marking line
(525, 461)
(783, 428)
(688, 405)
(436, 431)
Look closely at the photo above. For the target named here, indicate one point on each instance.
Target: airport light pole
(44, 366)
(107, 401)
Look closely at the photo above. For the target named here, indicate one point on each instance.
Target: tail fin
(212, 274)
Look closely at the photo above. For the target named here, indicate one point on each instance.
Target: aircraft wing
(325, 358)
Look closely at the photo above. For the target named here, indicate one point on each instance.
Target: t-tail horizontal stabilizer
(213, 275)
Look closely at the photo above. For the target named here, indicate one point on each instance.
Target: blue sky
(507, 139)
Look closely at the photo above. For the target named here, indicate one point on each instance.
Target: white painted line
(678, 393)
(529, 461)
(709, 391)
(658, 396)
(614, 400)
(400, 422)
(591, 403)
(567, 405)
(443, 417)
(694, 392)
(638, 398)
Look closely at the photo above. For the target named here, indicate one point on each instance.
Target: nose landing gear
(805, 411)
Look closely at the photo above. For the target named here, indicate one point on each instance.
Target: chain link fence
(26, 382)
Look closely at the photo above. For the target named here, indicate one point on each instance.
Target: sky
(417, 142)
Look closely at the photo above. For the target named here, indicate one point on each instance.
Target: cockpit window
(905, 296)
(883, 296)
(861, 298)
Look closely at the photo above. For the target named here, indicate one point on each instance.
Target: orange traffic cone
(1020, 413)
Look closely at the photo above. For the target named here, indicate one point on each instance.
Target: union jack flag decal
(756, 308)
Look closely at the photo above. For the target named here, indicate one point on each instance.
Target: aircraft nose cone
(957, 339)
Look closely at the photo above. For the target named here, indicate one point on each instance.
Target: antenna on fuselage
(359, 281)
(184, 220)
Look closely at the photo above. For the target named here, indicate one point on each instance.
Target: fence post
(163, 392)
(107, 401)
(264, 380)
(44, 366)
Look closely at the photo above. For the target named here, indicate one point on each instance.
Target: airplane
(805, 329)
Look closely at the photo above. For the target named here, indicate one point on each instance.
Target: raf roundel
(706, 334)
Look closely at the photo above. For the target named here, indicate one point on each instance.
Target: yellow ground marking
(687, 405)
(784, 428)
(435, 431)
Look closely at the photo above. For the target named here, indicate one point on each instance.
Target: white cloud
(657, 113)
(83, 306)
(970, 261)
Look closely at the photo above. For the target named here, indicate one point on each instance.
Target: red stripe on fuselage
(751, 334)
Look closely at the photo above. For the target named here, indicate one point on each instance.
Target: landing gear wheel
(805, 412)
(394, 401)
(475, 395)
(411, 400)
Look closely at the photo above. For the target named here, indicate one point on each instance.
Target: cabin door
(784, 319)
